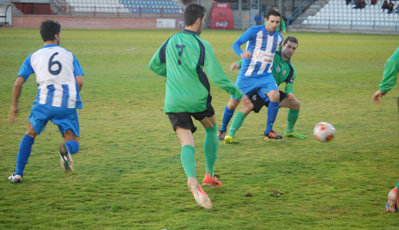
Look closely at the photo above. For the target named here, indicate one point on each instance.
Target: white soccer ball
(324, 131)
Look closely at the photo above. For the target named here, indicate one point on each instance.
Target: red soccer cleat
(211, 181)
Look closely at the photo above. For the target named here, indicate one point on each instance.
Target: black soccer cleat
(273, 136)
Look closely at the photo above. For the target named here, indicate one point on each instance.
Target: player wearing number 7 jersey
(59, 81)
(182, 59)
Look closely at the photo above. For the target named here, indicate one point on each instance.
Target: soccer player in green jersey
(283, 71)
(281, 28)
(391, 70)
(182, 60)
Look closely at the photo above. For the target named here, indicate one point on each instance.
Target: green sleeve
(289, 86)
(157, 65)
(391, 70)
(283, 25)
(216, 74)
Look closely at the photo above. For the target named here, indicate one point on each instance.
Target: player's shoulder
(277, 33)
(205, 42)
(256, 29)
(53, 47)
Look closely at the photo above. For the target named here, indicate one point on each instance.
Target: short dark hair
(48, 30)
(192, 12)
(290, 39)
(272, 12)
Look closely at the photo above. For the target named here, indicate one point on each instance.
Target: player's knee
(232, 104)
(274, 96)
(297, 104)
(246, 108)
(31, 133)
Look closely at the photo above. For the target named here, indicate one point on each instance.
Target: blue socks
(228, 114)
(25, 148)
(271, 115)
(72, 146)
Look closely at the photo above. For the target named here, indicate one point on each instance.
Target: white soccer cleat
(15, 178)
(200, 196)
(66, 159)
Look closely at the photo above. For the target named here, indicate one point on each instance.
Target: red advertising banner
(222, 16)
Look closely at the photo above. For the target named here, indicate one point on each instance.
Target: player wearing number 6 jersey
(255, 78)
(182, 59)
(59, 81)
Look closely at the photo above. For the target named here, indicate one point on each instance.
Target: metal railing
(352, 24)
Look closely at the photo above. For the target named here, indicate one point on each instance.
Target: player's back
(187, 84)
(55, 69)
(53, 65)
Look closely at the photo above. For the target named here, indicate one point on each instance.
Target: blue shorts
(261, 85)
(64, 118)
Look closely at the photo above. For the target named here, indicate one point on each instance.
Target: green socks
(291, 120)
(211, 146)
(397, 185)
(236, 124)
(188, 160)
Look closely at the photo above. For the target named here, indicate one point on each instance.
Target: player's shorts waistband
(256, 76)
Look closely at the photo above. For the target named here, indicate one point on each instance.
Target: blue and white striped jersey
(55, 69)
(262, 45)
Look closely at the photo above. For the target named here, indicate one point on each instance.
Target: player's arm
(158, 61)
(79, 80)
(391, 70)
(216, 74)
(78, 73)
(23, 74)
(283, 28)
(236, 65)
(246, 36)
(289, 84)
(16, 93)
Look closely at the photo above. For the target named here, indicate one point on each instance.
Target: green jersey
(283, 71)
(182, 60)
(391, 70)
(281, 27)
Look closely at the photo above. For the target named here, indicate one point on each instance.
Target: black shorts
(183, 120)
(259, 103)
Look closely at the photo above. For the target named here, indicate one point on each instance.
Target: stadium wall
(68, 22)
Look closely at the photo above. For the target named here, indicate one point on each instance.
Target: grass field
(128, 172)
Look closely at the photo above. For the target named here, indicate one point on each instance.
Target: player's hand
(376, 96)
(291, 96)
(13, 113)
(246, 55)
(234, 66)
